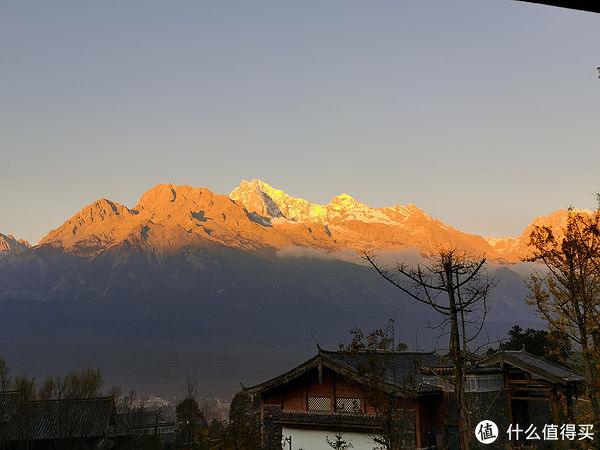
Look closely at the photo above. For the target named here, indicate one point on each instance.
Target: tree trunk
(591, 380)
(464, 429)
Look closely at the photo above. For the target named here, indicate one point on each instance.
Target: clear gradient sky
(484, 113)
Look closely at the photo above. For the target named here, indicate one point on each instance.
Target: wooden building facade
(340, 394)
(333, 394)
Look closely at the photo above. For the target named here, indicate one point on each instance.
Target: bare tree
(456, 286)
(61, 410)
(4, 376)
(23, 418)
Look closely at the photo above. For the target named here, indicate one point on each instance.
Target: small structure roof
(135, 421)
(524, 360)
(399, 372)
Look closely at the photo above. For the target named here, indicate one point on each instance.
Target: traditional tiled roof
(8, 405)
(534, 365)
(62, 419)
(399, 372)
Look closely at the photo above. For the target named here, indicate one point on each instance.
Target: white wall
(316, 440)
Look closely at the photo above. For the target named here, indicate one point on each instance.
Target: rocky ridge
(10, 244)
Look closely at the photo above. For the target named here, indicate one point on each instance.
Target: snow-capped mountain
(257, 216)
(261, 198)
(186, 266)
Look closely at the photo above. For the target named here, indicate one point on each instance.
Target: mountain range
(192, 281)
(257, 217)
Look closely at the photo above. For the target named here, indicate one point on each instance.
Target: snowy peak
(344, 201)
(344, 207)
(259, 197)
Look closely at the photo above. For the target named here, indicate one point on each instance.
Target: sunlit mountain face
(257, 217)
(227, 288)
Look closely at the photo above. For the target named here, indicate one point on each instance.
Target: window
(489, 383)
(471, 384)
(347, 405)
(319, 403)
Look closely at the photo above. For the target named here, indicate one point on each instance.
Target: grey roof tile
(531, 363)
(56, 419)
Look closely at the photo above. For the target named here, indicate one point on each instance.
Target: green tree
(552, 345)
(189, 418)
(191, 421)
(244, 428)
(339, 443)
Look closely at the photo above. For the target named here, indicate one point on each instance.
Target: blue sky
(483, 113)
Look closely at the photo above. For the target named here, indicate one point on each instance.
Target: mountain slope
(516, 249)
